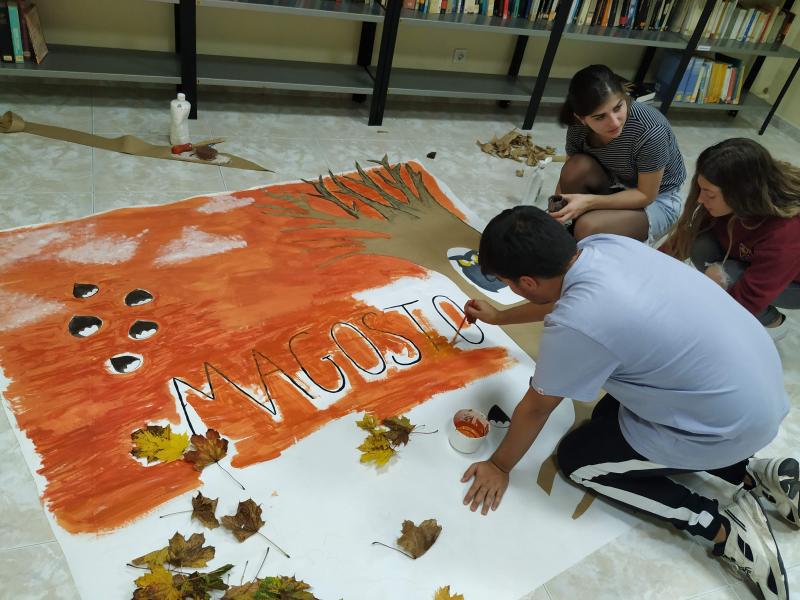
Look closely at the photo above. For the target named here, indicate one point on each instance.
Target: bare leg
(582, 174)
(630, 223)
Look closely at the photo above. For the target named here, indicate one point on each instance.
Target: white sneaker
(778, 480)
(751, 547)
(779, 332)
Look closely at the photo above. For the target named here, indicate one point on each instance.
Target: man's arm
(491, 476)
(527, 312)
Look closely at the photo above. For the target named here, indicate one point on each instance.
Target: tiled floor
(44, 180)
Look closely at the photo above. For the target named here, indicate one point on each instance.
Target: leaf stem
(247, 562)
(425, 432)
(262, 563)
(229, 475)
(281, 550)
(180, 512)
(403, 552)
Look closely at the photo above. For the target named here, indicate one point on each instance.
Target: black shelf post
(644, 65)
(778, 100)
(516, 63)
(687, 56)
(547, 63)
(186, 42)
(365, 48)
(391, 22)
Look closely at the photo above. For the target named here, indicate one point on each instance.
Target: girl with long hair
(741, 227)
(624, 170)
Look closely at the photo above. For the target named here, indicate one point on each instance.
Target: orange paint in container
(469, 430)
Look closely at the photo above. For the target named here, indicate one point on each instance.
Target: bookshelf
(189, 70)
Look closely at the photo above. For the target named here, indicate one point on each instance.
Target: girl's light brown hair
(753, 184)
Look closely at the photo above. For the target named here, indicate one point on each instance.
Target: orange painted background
(236, 311)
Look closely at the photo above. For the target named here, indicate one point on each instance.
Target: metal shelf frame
(188, 70)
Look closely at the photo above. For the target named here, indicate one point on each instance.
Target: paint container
(468, 430)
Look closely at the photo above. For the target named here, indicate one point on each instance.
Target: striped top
(646, 144)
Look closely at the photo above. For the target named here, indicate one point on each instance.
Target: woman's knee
(580, 174)
(705, 250)
(585, 226)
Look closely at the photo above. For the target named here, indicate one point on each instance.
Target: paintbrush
(463, 321)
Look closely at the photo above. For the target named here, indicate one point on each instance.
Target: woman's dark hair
(588, 89)
(525, 240)
(753, 184)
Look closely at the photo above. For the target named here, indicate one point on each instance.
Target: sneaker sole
(758, 516)
(787, 472)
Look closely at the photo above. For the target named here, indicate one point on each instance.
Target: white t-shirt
(698, 379)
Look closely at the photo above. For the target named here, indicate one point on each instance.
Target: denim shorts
(662, 214)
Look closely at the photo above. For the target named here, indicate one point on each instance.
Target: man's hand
(488, 488)
(577, 204)
(481, 310)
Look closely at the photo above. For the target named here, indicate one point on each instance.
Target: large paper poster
(276, 317)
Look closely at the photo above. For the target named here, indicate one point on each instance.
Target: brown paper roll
(126, 144)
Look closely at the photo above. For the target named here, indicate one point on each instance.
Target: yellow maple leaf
(376, 448)
(158, 443)
(157, 584)
(369, 422)
(151, 559)
(443, 593)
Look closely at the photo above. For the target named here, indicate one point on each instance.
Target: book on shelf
(16, 32)
(6, 45)
(641, 92)
(38, 44)
(708, 79)
(21, 35)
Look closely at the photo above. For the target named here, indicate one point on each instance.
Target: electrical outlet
(459, 56)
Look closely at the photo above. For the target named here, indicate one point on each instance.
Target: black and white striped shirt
(646, 144)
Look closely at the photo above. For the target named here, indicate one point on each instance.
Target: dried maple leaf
(417, 539)
(283, 588)
(158, 443)
(443, 593)
(399, 430)
(199, 585)
(245, 591)
(207, 449)
(369, 422)
(376, 448)
(156, 585)
(180, 552)
(246, 521)
(203, 510)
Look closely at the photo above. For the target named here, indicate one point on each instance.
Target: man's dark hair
(525, 240)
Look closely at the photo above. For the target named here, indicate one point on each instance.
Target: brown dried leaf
(399, 430)
(245, 591)
(180, 552)
(246, 521)
(204, 509)
(209, 449)
(417, 539)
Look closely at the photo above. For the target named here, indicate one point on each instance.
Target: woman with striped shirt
(624, 170)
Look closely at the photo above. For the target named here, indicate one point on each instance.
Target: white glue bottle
(179, 129)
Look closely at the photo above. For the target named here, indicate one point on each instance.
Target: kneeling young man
(694, 384)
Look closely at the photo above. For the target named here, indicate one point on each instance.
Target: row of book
(764, 22)
(759, 21)
(21, 36)
(713, 79)
(761, 24)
